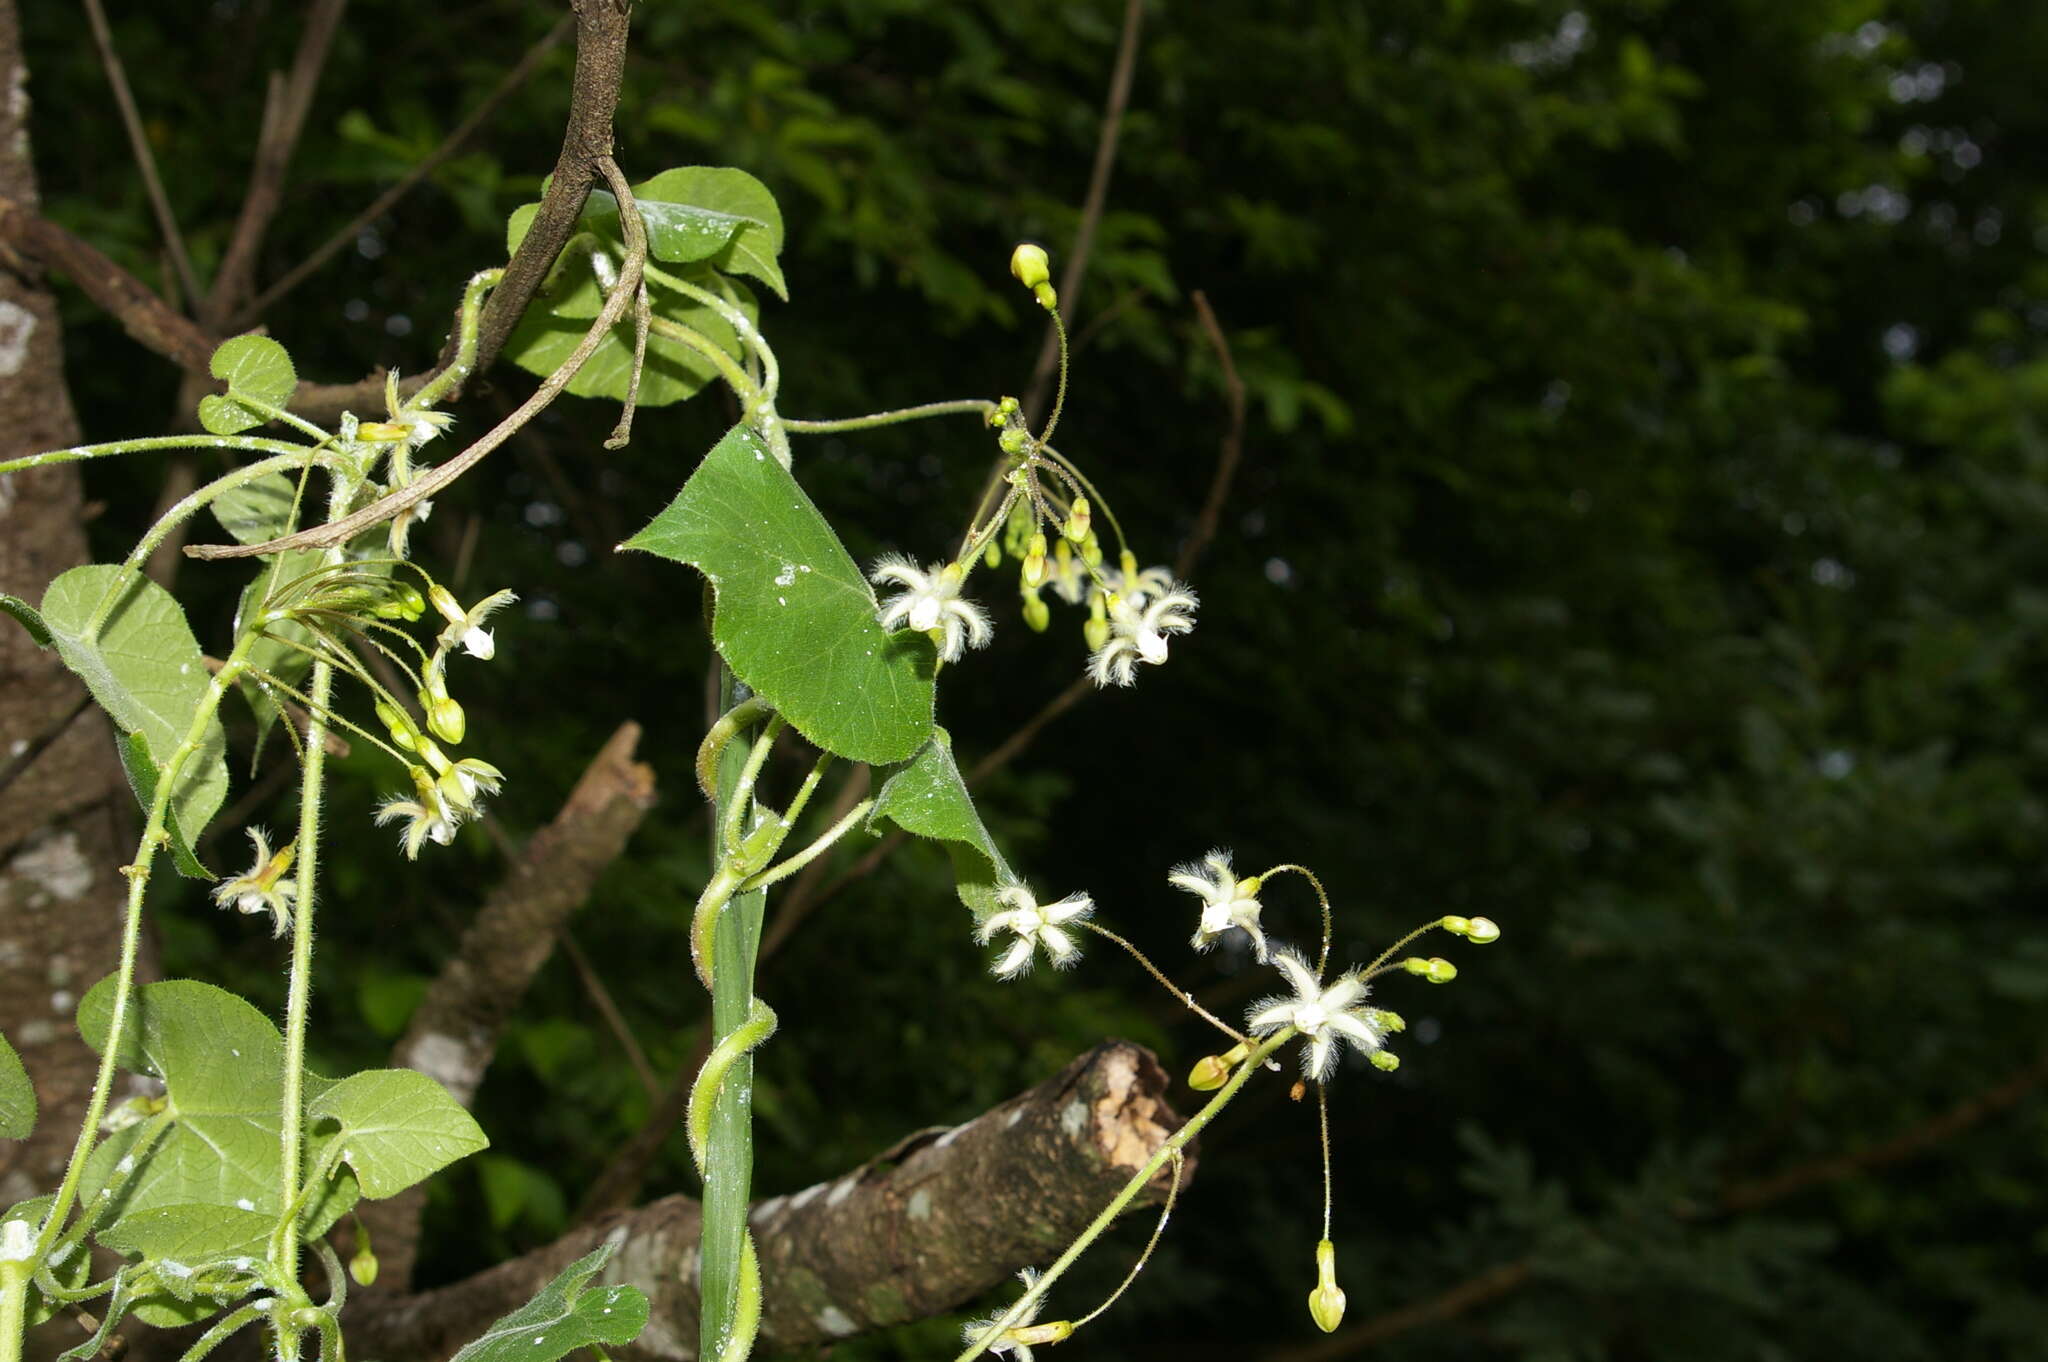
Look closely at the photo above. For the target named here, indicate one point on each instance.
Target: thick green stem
(14, 1279)
(730, 1291)
(1166, 1152)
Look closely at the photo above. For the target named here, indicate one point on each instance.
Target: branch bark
(63, 819)
(454, 1033)
(921, 1228)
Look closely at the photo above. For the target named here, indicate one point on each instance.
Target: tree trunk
(64, 824)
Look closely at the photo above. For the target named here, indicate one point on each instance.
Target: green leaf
(222, 1063)
(25, 614)
(556, 322)
(258, 511)
(189, 1233)
(17, 1096)
(927, 798)
(712, 213)
(257, 370)
(395, 1127)
(563, 1318)
(145, 669)
(143, 777)
(795, 618)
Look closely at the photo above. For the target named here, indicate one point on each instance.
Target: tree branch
(284, 119)
(427, 165)
(454, 1033)
(138, 146)
(922, 1228)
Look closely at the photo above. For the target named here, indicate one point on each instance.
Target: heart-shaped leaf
(795, 618)
(260, 379)
(144, 667)
(395, 1127)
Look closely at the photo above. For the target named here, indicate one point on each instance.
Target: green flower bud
(401, 603)
(362, 1268)
(1482, 930)
(1078, 518)
(1415, 964)
(1439, 970)
(1096, 631)
(1209, 1074)
(1393, 1023)
(1034, 562)
(1014, 440)
(994, 556)
(1054, 1331)
(1091, 550)
(1456, 926)
(1037, 613)
(403, 734)
(1386, 1061)
(445, 717)
(1326, 1302)
(1031, 265)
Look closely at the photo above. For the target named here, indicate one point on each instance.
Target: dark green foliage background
(1595, 564)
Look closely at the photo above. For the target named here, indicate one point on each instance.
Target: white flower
(426, 817)
(1325, 1016)
(462, 782)
(1007, 1343)
(1035, 926)
(465, 627)
(421, 425)
(931, 600)
(1138, 626)
(1227, 901)
(263, 888)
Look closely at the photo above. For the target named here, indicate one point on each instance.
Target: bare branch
(427, 165)
(284, 119)
(920, 1229)
(142, 314)
(138, 145)
(1231, 452)
(600, 67)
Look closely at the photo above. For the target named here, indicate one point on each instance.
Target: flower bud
(445, 717)
(1031, 265)
(381, 432)
(1053, 1331)
(1439, 970)
(1078, 518)
(1386, 1061)
(1393, 1023)
(1456, 926)
(1326, 1302)
(1014, 440)
(1209, 1074)
(362, 1267)
(401, 603)
(1482, 930)
(1034, 562)
(403, 734)
(443, 600)
(1096, 631)
(1091, 550)
(1037, 613)
(994, 554)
